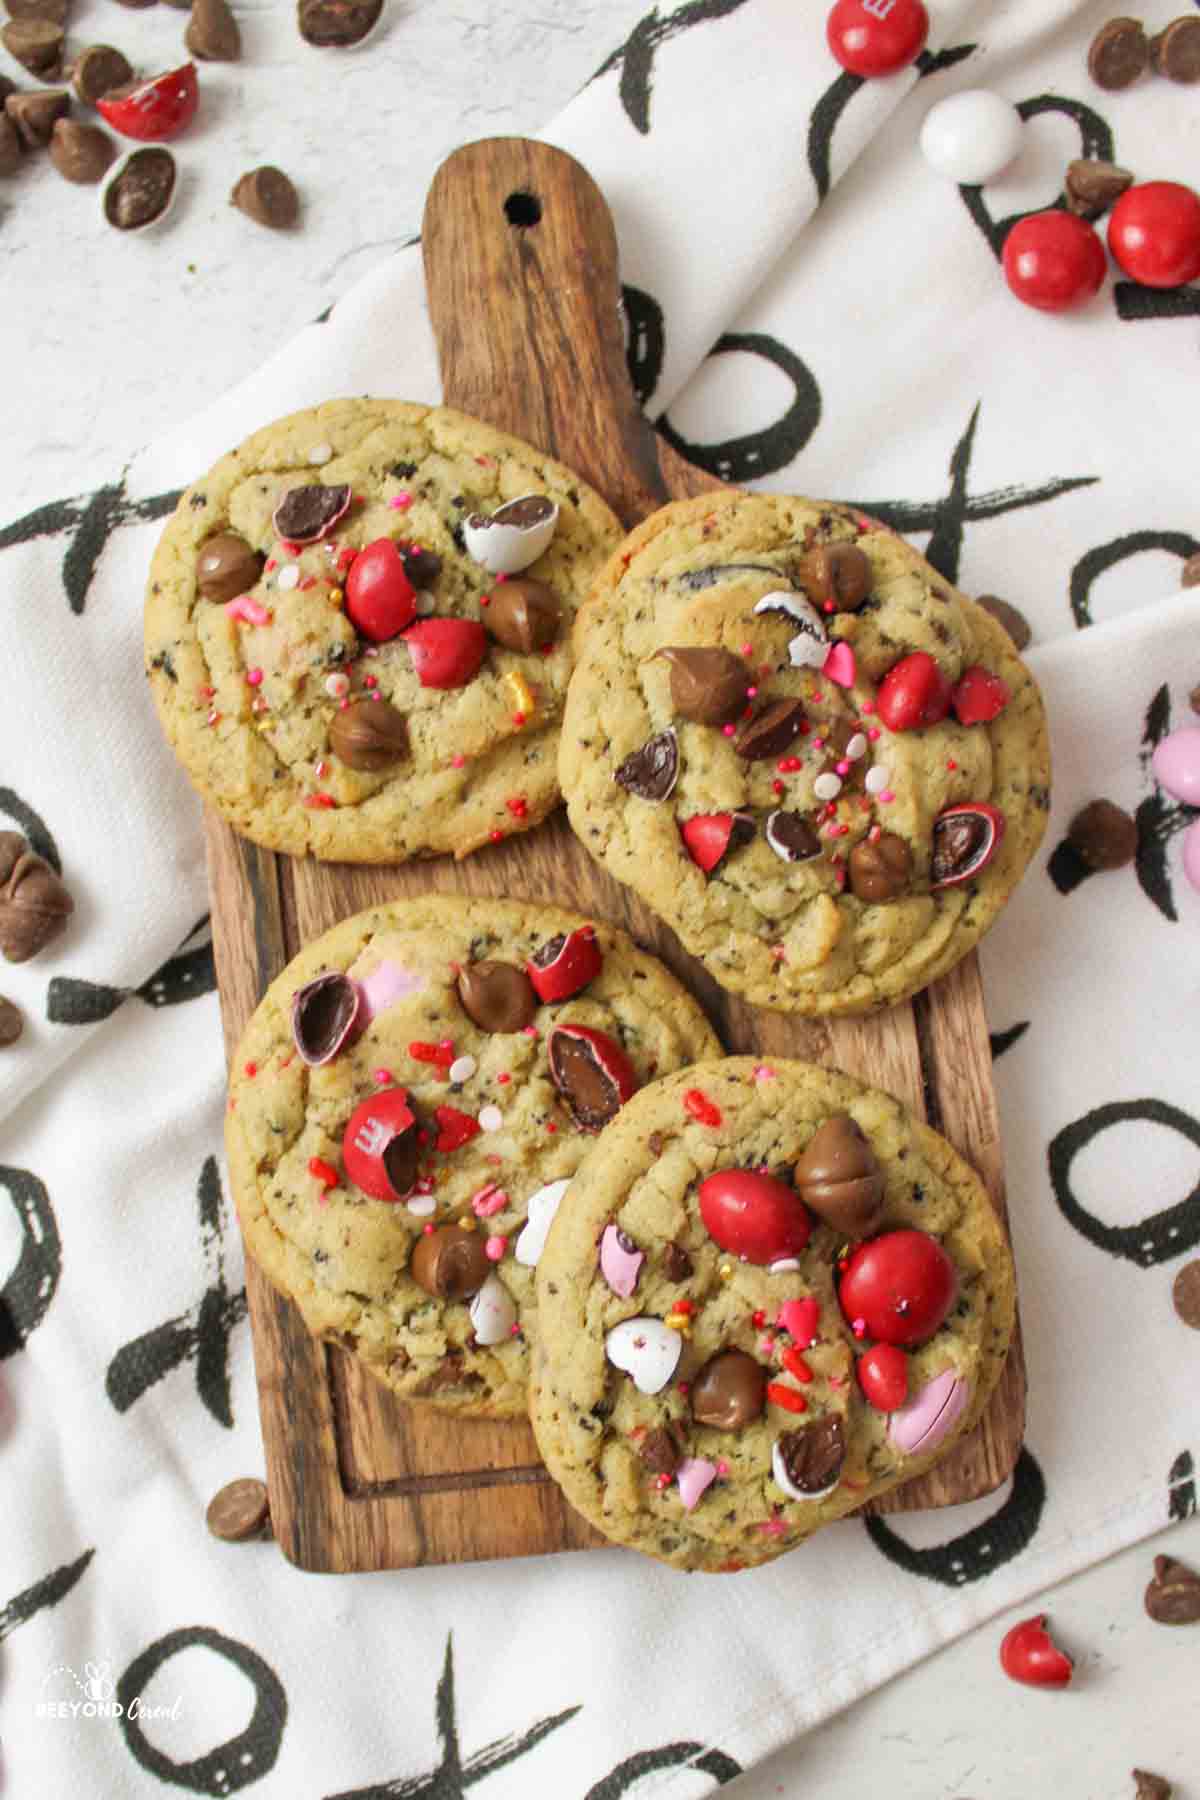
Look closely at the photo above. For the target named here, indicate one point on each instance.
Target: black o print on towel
(1181, 1487)
(759, 452)
(635, 57)
(237, 1762)
(91, 520)
(33, 825)
(1095, 140)
(1160, 1235)
(1000, 1041)
(26, 1295)
(825, 115)
(47, 1592)
(983, 1549)
(627, 1776)
(645, 341)
(1097, 562)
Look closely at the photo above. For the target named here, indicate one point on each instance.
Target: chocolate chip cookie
(358, 630)
(772, 1296)
(407, 1108)
(823, 766)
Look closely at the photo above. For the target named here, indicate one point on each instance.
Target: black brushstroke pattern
(47, 1592)
(983, 1549)
(1135, 303)
(229, 1766)
(1148, 1241)
(187, 974)
(1159, 818)
(1067, 868)
(1096, 141)
(26, 1295)
(1181, 1488)
(32, 824)
(823, 119)
(1094, 563)
(1000, 1041)
(627, 1774)
(645, 341)
(635, 57)
(91, 520)
(72, 1001)
(758, 453)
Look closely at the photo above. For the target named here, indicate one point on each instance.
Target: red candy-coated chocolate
(370, 1130)
(979, 696)
(1053, 261)
(576, 962)
(753, 1216)
(380, 599)
(914, 692)
(876, 37)
(454, 1128)
(590, 1111)
(446, 652)
(901, 1285)
(1028, 1654)
(1154, 233)
(883, 1376)
(706, 837)
(153, 110)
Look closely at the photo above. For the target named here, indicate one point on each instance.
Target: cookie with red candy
(773, 1295)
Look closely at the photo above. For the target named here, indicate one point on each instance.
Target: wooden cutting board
(524, 295)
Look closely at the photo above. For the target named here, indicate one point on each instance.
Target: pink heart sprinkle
(839, 665)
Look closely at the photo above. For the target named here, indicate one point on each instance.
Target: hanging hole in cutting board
(522, 209)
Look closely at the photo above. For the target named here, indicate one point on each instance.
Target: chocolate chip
(53, 10)
(10, 146)
(1150, 1787)
(1173, 1597)
(420, 565)
(140, 189)
(1118, 55)
(1189, 574)
(839, 1178)
(1091, 186)
(268, 197)
(1185, 1293)
(707, 686)
(97, 71)
(880, 870)
(34, 115)
(240, 1511)
(523, 614)
(813, 1456)
(774, 726)
(323, 1014)
(836, 576)
(34, 903)
(337, 23)
(11, 1023)
(654, 1143)
(791, 836)
(677, 1264)
(1104, 835)
(1014, 622)
(226, 566)
(660, 1450)
(369, 735)
(80, 153)
(652, 771)
(497, 996)
(729, 1392)
(1175, 52)
(307, 513)
(37, 45)
(212, 32)
(450, 1263)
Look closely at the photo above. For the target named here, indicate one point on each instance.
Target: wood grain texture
(528, 325)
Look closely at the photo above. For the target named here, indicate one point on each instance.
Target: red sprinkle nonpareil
(323, 1172)
(701, 1107)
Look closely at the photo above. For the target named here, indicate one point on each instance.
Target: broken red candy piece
(965, 839)
(379, 1148)
(753, 1216)
(800, 1318)
(701, 1108)
(709, 837)
(446, 652)
(454, 1128)
(323, 1014)
(840, 665)
(883, 1376)
(380, 598)
(1028, 1654)
(591, 1072)
(979, 696)
(914, 692)
(565, 964)
(152, 111)
(306, 514)
(901, 1286)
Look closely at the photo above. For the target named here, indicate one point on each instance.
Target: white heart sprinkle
(857, 746)
(493, 1312)
(783, 1266)
(827, 787)
(541, 1208)
(646, 1349)
(462, 1068)
(425, 601)
(289, 577)
(422, 1208)
(490, 1118)
(320, 453)
(876, 780)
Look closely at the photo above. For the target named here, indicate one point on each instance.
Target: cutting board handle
(525, 296)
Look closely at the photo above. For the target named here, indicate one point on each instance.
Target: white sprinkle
(320, 453)
(784, 1266)
(337, 685)
(827, 787)
(421, 1208)
(462, 1068)
(877, 779)
(425, 601)
(490, 1118)
(289, 576)
(857, 746)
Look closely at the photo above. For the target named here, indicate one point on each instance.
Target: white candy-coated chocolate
(493, 1312)
(972, 136)
(541, 1209)
(646, 1349)
(809, 648)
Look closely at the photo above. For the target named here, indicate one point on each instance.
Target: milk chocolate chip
(212, 32)
(1150, 1787)
(677, 1264)
(1119, 53)
(268, 197)
(307, 513)
(97, 71)
(1173, 1597)
(240, 1511)
(369, 735)
(141, 188)
(660, 1451)
(1092, 186)
(772, 729)
(80, 153)
(707, 686)
(1006, 615)
(37, 45)
(34, 115)
(497, 996)
(813, 1456)
(34, 903)
(1175, 52)
(10, 146)
(729, 1392)
(420, 565)
(54, 10)
(880, 870)
(226, 566)
(337, 23)
(1104, 835)
(652, 771)
(11, 1023)
(1185, 1294)
(523, 614)
(839, 1178)
(835, 577)
(450, 1263)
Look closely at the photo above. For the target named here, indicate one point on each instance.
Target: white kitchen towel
(870, 350)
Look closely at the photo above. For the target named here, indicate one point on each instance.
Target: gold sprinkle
(520, 693)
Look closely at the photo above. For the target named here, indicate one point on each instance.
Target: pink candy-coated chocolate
(694, 1475)
(1191, 853)
(930, 1415)
(384, 986)
(800, 1319)
(839, 665)
(619, 1267)
(1176, 765)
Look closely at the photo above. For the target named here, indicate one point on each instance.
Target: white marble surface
(105, 338)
